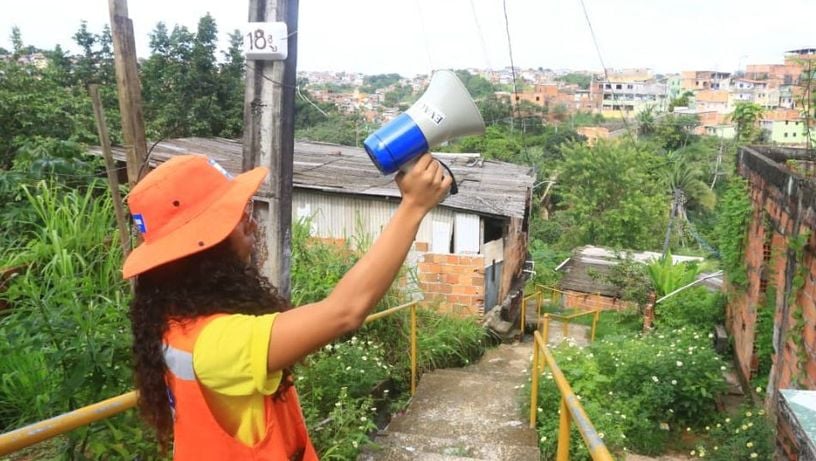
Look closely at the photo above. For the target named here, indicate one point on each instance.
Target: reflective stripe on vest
(179, 362)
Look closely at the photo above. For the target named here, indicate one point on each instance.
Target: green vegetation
(580, 79)
(639, 391)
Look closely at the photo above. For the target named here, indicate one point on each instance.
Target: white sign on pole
(267, 41)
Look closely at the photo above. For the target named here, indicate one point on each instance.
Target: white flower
(722, 367)
(338, 404)
(664, 426)
(363, 418)
(748, 414)
(727, 420)
(693, 452)
(674, 381)
(348, 368)
(754, 455)
(364, 358)
(354, 443)
(711, 335)
(759, 390)
(688, 429)
(679, 363)
(623, 416)
(749, 444)
(328, 347)
(601, 434)
(654, 378)
(544, 439)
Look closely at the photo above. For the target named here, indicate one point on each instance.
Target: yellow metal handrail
(570, 408)
(565, 323)
(43, 430)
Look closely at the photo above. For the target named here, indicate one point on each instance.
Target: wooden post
(110, 168)
(269, 115)
(564, 420)
(129, 89)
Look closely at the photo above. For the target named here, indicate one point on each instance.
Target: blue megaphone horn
(444, 112)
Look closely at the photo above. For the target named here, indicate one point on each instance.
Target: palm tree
(646, 121)
(746, 115)
(685, 182)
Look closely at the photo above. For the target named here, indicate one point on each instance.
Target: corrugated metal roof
(486, 187)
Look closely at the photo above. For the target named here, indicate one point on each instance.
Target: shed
(584, 284)
(469, 251)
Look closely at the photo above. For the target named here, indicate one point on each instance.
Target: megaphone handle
(454, 189)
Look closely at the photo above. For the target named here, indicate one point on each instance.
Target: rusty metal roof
(486, 187)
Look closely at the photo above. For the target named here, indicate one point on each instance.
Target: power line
(515, 102)
(603, 64)
(481, 35)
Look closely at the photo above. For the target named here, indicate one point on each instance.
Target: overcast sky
(413, 36)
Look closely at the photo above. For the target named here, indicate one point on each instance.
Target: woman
(213, 340)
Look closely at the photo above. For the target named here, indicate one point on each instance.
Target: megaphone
(444, 112)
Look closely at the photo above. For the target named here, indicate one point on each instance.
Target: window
(517, 98)
(618, 86)
(786, 122)
(538, 98)
(629, 87)
(786, 135)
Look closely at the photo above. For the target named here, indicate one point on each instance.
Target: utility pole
(269, 115)
(129, 89)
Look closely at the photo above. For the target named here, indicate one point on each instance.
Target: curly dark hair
(212, 281)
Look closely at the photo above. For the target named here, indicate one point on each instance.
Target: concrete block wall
(456, 282)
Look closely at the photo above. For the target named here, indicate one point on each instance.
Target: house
(628, 92)
(584, 284)
(470, 251)
(780, 261)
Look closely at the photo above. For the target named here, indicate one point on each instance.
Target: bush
(638, 391)
(67, 341)
(748, 435)
(695, 307)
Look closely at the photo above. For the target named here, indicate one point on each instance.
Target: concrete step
(407, 454)
(458, 405)
(419, 446)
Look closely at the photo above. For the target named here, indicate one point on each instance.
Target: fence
(570, 408)
(43, 430)
(554, 297)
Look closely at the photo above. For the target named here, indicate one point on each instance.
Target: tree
(205, 116)
(231, 87)
(646, 121)
(582, 80)
(676, 131)
(685, 182)
(746, 116)
(681, 101)
(476, 85)
(16, 43)
(613, 195)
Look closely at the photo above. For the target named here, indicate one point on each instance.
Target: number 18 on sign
(268, 41)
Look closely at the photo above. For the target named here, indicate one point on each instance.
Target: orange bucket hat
(186, 205)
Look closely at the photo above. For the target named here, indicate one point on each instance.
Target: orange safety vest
(197, 434)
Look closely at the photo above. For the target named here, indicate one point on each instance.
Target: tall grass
(66, 327)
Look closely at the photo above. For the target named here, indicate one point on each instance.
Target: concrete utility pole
(269, 115)
(129, 89)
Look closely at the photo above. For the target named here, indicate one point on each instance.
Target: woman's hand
(425, 185)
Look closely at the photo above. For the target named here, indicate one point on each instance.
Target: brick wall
(456, 282)
(586, 301)
(782, 207)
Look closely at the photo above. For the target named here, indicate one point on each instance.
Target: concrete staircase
(470, 413)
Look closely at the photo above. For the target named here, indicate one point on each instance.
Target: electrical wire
(603, 64)
(515, 102)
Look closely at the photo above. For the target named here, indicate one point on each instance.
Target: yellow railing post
(562, 453)
(594, 325)
(534, 385)
(413, 349)
(522, 317)
(565, 327)
(570, 408)
(546, 332)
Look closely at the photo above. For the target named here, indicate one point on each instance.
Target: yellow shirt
(230, 360)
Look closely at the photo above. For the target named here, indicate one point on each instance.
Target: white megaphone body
(444, 112)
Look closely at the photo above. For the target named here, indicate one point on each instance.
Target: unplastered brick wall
(588, 302)
(783, 208)
(455, 282)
